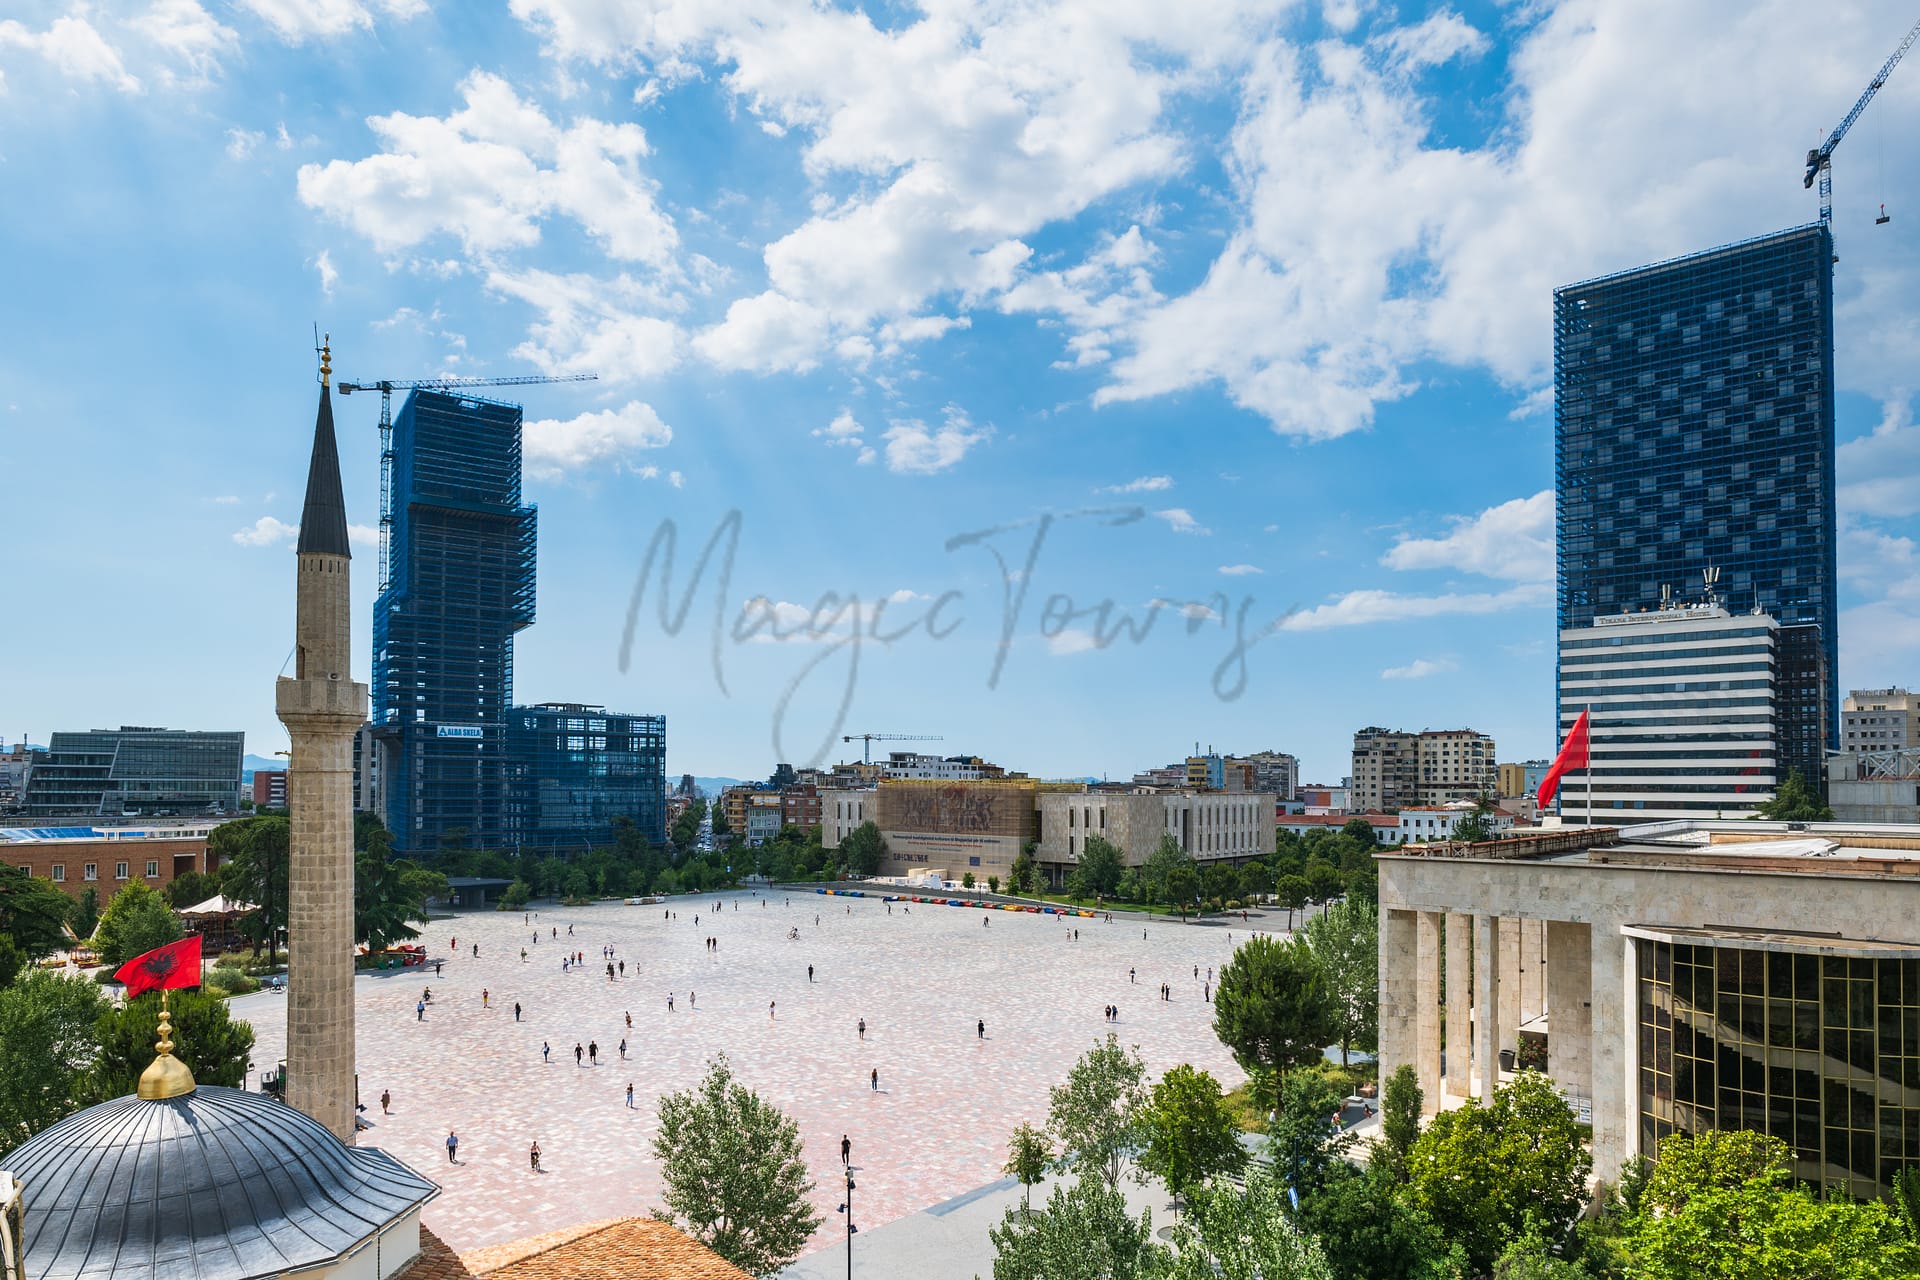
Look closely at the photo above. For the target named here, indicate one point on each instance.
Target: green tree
(1167, 856)
(516, 896)
(576, 887)
(1099, 868)
(864, 849)
(966, 881)
(1764, 1229)
(1293, 893)
(1400, 1103)
(1324, 881)
(1370, 1232)
(1083, 1233)
(12, 960)
(185, 890)
(1272, 1007)
(1724, 1159)
(1795, 801)
(1479, 1171)
(1020, 878)
(1245, 1235)
(1190, 1137)
(216, 1048)
(33, 912)
(1360, 831)
(1305, 1150)
(1530, 1258)
(1095, 1112)
(255, 872)
(84, 917)
(47, 1045)
(1346, 942)
(135, 922)
(733, 1174)
(384, 905)
(1183, 884)
(993, 884)
(1256, 880)
(1029, 1154)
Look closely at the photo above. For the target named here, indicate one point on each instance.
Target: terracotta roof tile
(436, 1261)
(612, 1249)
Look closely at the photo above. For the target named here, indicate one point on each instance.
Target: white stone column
(1533, 970)
(1569, 1011)
(1427, 1000)
(1615, 1050)
(1459, 1082)
(1398, 991)
(1486, 1002)
(1510, 982)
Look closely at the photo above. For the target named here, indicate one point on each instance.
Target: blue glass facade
(1693, 415)
(459, 764)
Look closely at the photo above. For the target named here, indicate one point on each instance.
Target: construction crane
(1820, 159)
(868, 739)
(386, 387)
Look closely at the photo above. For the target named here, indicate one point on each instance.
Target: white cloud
(329, 274)
(1180, 520)
(592, 325)
(1879, 474)
(766, 334)
(1240, 570)
(226, 500)
(1419, 669)
(75, 49)
(296, 21)
(1358, 608)
(915, 449)
(610, 437)
(266, 532)
(1145, 484)
(1513, 540)
(772, 621)
(846, 432)
(1071, 640)
(190, 35)
(489, 173)
(363, 535)
(241, 142)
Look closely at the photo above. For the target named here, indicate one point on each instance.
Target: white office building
(1684, 716)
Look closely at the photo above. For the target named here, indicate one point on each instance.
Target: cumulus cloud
(266, 532)
(1419, 669)
(592, 325)
(189, 35)
(763, 620)
(297, 21)
(489, 173)
(74, 48)
(766, 334)
(608, 438)
(1180, 520)
(329, 274)
(913, 448)
(1240, 570)
(1145, 484)
(1879, 474)
(241, 142)
(1071, 640)
(1513, 540)
(846, 432)
(363, 535)
(1358, 608)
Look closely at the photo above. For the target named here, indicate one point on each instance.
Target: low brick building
(106, 859)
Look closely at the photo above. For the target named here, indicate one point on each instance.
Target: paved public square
(923, 977)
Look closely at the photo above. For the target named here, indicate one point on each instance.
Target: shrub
(229, 980)
(231, 960)
(1233, 904)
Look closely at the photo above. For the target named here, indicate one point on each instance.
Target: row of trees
(1319, 867)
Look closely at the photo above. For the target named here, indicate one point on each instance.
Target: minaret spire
(323, 521)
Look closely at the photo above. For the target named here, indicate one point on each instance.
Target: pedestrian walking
(485, 996)
(1130, 977)
(809, 973)
(533, 1157)
(863, 1028)
(983, 1028)
(453, 1147)
(629, 1093)
(476, 951)
(669, 1002)
(386, 1101)
(578, 1054)
(629, 1019)
(545, 1051)
(436, 967)
(846, 1150)
(623, 1048)
(516, 1011)
(420, 1010)
(693, 998)
(593, 1052)
(874, 1080)
(770, 1005)
(623, 968)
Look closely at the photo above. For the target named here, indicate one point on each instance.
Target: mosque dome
(216, 1184)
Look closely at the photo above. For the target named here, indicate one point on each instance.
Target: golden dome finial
(166, 1076)
(326, 360)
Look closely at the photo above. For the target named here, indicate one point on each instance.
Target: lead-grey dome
(220, 1184)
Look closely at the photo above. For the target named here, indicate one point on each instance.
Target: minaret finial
(326, 360)
(166, 1076)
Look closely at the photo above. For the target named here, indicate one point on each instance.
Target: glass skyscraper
(456, 763)
(1693, 415)
(132, 770)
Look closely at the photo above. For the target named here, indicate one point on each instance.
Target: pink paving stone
(921, 977)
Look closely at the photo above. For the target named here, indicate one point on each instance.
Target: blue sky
(1248, 301)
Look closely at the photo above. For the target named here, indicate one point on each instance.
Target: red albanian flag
(1573, 755)
(165, 968)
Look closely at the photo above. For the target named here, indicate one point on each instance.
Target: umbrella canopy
(217, 905)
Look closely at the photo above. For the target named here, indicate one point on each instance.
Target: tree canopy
(47, 1047)
(1095, 1112)
(136, 921)
(732, 1173)
(33, 912)
(1346, 942)
(256, 850)
(1272, 1007)
(217, 1049)
(1795, 801)
(1190, 1137)
(1099, 868)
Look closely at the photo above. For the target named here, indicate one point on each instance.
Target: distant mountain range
(711, 786)
(250, 762)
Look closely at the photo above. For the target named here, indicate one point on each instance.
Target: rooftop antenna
(1711, 577)
(321, 345)
(1666, 596)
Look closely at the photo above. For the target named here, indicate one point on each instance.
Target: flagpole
(1587, 711)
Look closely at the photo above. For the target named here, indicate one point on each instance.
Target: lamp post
(846, 1207)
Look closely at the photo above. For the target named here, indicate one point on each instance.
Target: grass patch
(1240, 1105)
